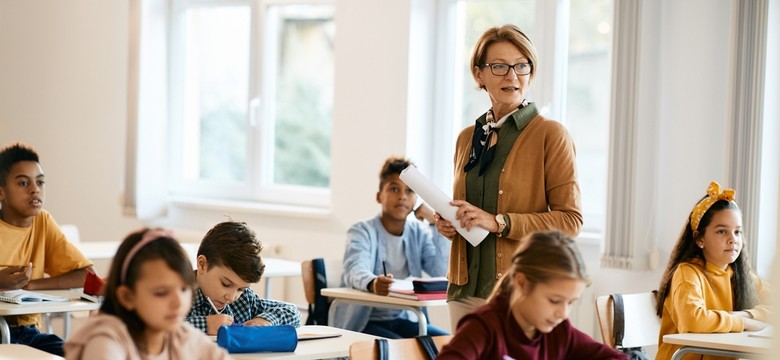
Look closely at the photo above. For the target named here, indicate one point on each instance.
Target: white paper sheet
(440, 202)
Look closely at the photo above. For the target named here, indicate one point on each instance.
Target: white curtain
(619, 241)
(747, 112)
(146, 173)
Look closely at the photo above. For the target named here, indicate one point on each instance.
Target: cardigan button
(500, 192)
(498, 276)
(498, 255)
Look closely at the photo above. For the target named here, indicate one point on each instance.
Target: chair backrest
(71, 233)
(641, 323)
(406, 349)
(313, 279)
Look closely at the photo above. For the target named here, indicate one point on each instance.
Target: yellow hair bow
(714, 194)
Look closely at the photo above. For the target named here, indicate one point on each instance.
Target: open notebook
(28, 297)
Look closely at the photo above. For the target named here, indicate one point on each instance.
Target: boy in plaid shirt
(228, 262)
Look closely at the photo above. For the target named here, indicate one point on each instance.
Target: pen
(212, 305)
(384, 268)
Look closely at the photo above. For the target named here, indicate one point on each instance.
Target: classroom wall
(63, 69)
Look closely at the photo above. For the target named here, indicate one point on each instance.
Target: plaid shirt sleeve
(250, 306)
(200, 309)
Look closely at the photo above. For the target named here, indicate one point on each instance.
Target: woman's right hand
(752, 324)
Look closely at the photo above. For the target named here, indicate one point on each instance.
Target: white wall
(63, 75)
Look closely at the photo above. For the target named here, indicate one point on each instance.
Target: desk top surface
(16, 351)
(354, 294)
(316, 349)
(742, 342)
(75, 304)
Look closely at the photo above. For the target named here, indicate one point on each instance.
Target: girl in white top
(148, 294)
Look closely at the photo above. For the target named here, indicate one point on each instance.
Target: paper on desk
(440, 202)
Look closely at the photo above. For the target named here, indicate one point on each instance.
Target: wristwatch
(501, 224)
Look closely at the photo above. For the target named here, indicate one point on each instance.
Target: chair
(312, 281)
(406, 349)
(642, 325)
(71, 232)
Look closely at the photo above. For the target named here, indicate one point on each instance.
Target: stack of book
(420, 289)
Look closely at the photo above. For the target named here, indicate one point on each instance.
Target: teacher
(515, 172)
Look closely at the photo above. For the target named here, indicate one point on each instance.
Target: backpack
(318, 311)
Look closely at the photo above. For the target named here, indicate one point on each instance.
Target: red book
(411, 295)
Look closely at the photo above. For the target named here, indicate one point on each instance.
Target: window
(574, 44)
(251, 112)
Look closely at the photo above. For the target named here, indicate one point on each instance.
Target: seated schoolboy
(391, 243)
(149, 291)
(228, 262)
(708, 285)
(32, 244)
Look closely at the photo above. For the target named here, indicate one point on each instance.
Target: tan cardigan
(538, 190)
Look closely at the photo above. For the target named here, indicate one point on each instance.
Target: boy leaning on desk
(228, 263)
(390, 245)
(32, 244)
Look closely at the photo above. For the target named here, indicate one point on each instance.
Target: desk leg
(267, 288)
(5, 332)
(422, 321)
(678, 355)
(332, 310)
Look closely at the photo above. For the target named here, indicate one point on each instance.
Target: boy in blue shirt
(228, 262)
(394, 243)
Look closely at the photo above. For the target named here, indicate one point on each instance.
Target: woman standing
(515, 171)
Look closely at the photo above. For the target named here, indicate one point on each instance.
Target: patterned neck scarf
(483, 144)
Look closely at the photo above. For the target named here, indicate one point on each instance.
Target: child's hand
(258, 321)
(382, 284)
(15, 277)
(213, 322)
(424, 212)
(753, 324)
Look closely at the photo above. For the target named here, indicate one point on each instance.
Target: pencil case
(250, 339)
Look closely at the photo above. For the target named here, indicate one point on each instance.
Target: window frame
(258, 186)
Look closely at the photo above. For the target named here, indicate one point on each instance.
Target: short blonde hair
(507, 33)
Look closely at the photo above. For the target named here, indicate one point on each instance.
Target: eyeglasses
(503, 69)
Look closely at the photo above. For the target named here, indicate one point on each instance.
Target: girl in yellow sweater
(708, 286)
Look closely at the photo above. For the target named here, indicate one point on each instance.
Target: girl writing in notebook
(708, 286)
(526, 316)
(149, 291)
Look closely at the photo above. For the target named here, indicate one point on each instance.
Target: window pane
(303, 105)
(588, 100)
(216, 61)
(478, 16)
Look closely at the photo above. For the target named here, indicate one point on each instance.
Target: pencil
(384, 268)
(212, 305)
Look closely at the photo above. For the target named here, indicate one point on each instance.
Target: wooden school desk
(16, 351)
(75, 304)
(318, 348)
(735, 345)
(353, 296)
